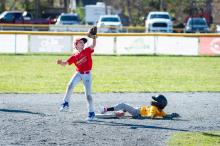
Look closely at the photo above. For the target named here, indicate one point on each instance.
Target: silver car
(109, 23)
(197, 25)
(68, 19)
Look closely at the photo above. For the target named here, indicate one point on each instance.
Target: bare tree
(129, 9)
(2, 5)
(12, 7)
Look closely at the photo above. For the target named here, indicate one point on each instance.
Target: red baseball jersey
(82, 60)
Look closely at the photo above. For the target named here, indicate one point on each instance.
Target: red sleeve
(71, 60)
(89, 50)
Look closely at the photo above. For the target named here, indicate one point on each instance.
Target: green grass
(195, 139)
(40, 74)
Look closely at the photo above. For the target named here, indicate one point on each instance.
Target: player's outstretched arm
(61, 62)
(93, 43)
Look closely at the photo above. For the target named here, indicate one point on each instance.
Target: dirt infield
(34, 119)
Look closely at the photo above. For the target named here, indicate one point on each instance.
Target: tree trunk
(13, 6)
(2, 6)
(130, 11)
(65, 6)
(37, 9)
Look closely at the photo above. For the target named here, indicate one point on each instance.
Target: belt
(84, 72)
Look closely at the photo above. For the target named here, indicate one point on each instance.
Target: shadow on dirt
(21, 111)
(131, 126)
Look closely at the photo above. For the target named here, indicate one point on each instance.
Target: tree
(2, 5)
(80, 11)
(137, 9)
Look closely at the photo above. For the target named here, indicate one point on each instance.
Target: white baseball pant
(87, 81)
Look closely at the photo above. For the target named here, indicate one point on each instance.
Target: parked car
(68, 19)
(194, 25)
(158, 22)
(109, 23)
(21, 17)
(218, 28)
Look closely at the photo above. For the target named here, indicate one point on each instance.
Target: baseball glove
(171, 116)
(175, 115)
(92, 33)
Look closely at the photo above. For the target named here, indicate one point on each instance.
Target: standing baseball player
(82, 60)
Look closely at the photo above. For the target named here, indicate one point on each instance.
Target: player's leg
(72, 83)
(124, 107)
(87, 81)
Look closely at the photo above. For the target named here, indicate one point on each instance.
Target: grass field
(40, 74)
(195, 139)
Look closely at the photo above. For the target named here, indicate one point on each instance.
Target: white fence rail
(112, 44)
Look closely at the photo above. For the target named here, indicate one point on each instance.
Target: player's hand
(175, 115)
(59, 61)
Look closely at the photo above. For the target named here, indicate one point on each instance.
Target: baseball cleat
(64, 106)
(91, 116)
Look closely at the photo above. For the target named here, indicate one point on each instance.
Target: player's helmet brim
(81, 39)
(84, 40)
